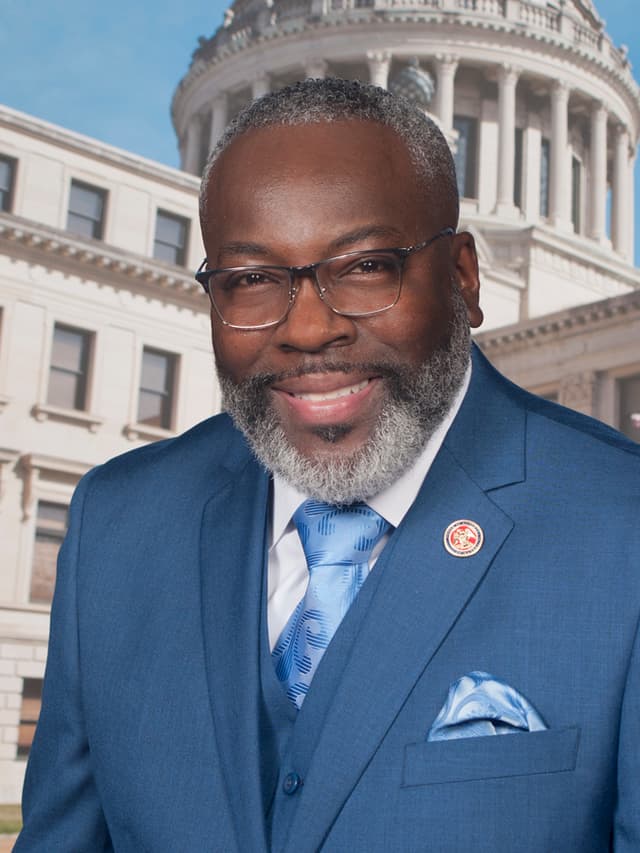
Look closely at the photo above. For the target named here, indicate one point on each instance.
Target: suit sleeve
(627, 819)
(61, 806)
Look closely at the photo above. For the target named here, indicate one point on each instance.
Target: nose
(311, 325)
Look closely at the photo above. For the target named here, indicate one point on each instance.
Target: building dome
(414, 84)
(539, 105)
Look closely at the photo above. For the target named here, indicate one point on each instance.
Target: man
(205, 689)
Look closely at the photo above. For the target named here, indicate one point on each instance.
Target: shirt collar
(393, 503)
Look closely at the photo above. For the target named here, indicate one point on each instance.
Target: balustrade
(540, 17)
(484, 7)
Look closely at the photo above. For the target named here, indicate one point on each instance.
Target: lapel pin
(463, 538)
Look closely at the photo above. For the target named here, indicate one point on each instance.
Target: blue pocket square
(479, 704)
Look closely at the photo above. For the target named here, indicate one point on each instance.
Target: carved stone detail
(577, 391)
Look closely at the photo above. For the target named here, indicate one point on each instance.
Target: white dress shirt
(288, 574)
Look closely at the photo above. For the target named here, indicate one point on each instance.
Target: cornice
(86, 146)
(561, 324)
(607, 58)
(95, 260)
(573, 247)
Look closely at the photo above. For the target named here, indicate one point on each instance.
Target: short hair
(332, 99)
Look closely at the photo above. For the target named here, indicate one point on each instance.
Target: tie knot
(338, 535)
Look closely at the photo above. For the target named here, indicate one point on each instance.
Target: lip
(326, 399)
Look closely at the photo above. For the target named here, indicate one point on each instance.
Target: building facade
(542, 107)
(104, 345)
(104, 334)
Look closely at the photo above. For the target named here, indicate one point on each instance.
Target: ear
(465, 260)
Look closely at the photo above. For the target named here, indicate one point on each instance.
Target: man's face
(295, 195)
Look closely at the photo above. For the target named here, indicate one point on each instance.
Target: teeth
(333, 395)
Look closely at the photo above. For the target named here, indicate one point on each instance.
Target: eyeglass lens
(360, 283)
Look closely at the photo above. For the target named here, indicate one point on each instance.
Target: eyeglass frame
(202, 276)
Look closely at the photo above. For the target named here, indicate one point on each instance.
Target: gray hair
(332, 99)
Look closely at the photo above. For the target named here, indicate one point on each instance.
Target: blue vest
(288, 737)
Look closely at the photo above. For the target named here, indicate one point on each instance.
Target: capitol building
(104, 333)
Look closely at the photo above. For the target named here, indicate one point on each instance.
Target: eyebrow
(364, 233)
(241, 248)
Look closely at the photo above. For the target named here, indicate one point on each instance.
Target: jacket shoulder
(209, 451)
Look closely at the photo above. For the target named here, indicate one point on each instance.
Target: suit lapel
(421, 591)
(232, 562)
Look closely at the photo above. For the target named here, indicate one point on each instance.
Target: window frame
(168, 395)
(99, 224)
(22, 751)
(468, 183)
(84, 374)
(518, 168)
(576, 193)
(545, 175)
(180, 259)
(52, 531)
(9, 192)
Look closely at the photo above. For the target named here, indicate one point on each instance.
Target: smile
(327, 399)
(333, 395)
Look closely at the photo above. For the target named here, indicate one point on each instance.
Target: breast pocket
(490, 757)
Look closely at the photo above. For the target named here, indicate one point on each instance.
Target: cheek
(416, 326)
(238, 354)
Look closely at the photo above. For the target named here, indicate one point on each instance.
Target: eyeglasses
(356, 284)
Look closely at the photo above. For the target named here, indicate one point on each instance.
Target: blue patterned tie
(337, 543)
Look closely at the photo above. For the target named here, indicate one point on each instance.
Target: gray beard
(418, 399)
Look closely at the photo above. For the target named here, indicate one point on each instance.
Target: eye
(372, 266)
(252, 278)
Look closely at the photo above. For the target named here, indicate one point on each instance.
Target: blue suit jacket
(149, 735)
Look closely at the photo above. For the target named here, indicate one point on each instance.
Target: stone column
(446, 67)
(560, 182)
(260, 85)
(192, 148)
(620, 208)
(598, 162)
(218, 119)
(631, 208)
(315, 69)
(379, 63)
(578, 391)
(507, 81)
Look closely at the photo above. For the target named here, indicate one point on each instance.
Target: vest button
(291, 783)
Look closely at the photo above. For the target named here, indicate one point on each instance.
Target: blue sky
(109, 69)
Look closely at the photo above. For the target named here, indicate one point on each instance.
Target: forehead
(339, 171)
(279, 143)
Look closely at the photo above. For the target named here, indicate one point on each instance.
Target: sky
(109, 69)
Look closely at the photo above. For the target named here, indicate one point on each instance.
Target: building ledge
(43, 412)
(144, 432)
(560, 324)
(103, 260)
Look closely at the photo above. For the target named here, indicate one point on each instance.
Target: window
(575, 193)
(86, 210)
(170, 243)
(517, 169)
(629, 409)
(155, 403)
(69, 368)
(7, 175)
(29, 713)
(466, 155)
(51, 526)
(545, 161)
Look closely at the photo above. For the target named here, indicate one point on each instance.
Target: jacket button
(291, 783)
